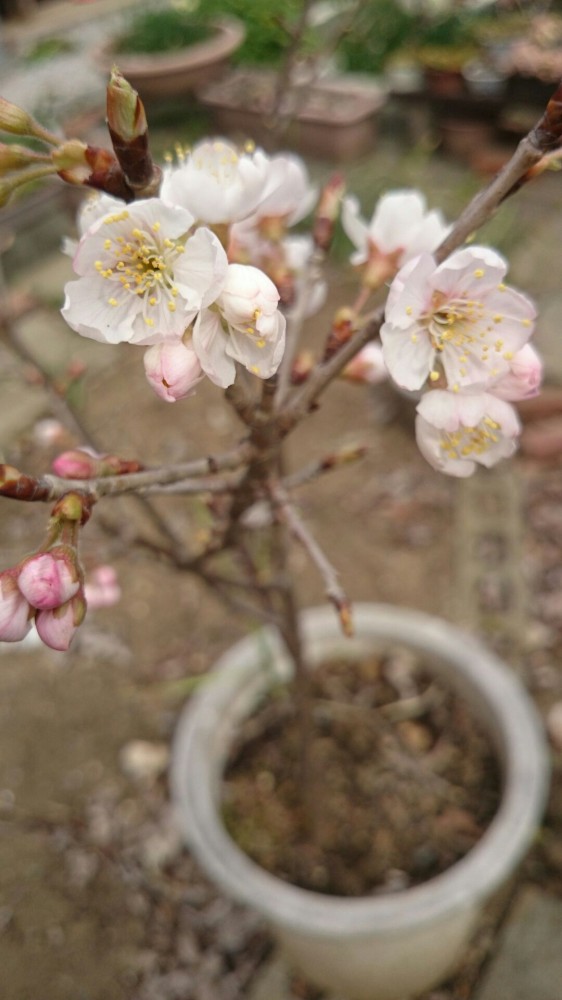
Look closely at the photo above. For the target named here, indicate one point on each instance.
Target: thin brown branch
(329, 574)
(48, 487)
(541, 140)
(327, 371)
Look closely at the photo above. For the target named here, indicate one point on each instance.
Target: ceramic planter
(169, 75)
(334, 119)
(383, 947)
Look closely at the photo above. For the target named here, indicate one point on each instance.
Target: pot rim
(228, 35)
(512, 723)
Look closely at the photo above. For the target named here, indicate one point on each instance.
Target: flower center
(470, 441)
(452, 321)
(218, 159)
(142, 265)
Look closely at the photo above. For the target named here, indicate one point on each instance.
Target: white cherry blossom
(459, 316)
(142, 279)
(245, 326)
(400, 226)
(456, 432)
(287, 197)
(217, 183)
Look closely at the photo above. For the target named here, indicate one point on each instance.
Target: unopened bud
(327, 212)
(14, 119)
(71, 507)
(49, 579)
(342, 328)
(15, 610)
(56, 627)
(302, 367)
(128, 130)
(367, 366)
(14, 157)
(9, 476)
(125, 111)
(81, 464)
(75, 464)
(102, 588)
(11, 184)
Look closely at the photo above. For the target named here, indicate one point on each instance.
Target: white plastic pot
(385, 947)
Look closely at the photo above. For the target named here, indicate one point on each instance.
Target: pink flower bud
(15, 612)
(523, 381)
(49, 579)
(102, 589)
(56, 627)
(367, 366)
(75, 464)
(172, 369)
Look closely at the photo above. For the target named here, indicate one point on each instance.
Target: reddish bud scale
(302, 367)
(105, 174)
(342, 329)
(72, 507)
(18, 486)
(547, 134)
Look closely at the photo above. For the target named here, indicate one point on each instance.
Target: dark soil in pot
(402, 782)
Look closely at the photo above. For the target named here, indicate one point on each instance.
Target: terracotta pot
(464, 138)
(174, 74)
(333, 119)
(381, 947)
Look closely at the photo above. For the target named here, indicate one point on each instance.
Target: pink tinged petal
(367, 366)
(523, 381)
(471, 272)
(209, 343)
(455, 431)
(410, 293)
(15, 611)
(48, 579)
(172, 370)
(408, 354)
(102, 589)
(56, 627)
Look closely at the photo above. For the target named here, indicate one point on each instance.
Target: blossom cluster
(46, 588)
(177, 273)
(454, 332)
(206, 274)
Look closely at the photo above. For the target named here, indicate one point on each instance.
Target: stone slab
(528, 961)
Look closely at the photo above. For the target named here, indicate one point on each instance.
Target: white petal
(354, 225)
(408, 355)
(210, 343)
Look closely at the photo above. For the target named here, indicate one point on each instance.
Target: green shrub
(163, 30)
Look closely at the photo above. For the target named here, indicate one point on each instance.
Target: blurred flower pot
(382, 946)
(462, 138)
(333, 119)
(168, 75)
